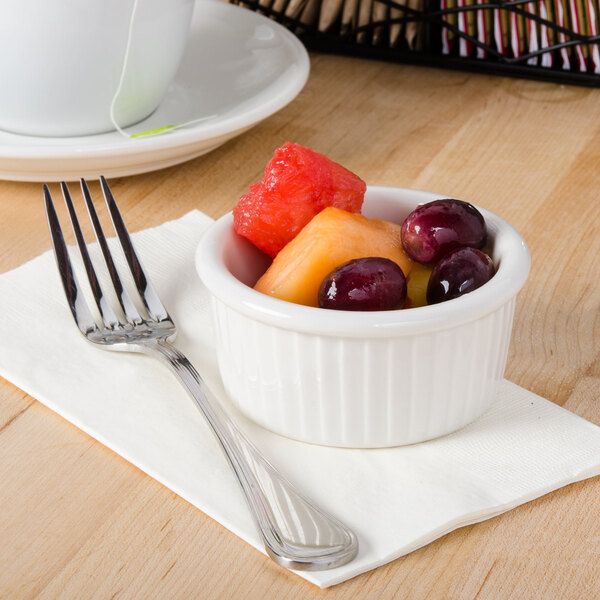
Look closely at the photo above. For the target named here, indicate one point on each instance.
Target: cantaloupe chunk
(331, 238)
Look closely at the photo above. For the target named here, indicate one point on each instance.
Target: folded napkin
(396, 500)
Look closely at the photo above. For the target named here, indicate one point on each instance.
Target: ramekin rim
(511, 274)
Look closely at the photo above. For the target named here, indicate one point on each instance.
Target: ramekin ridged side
(362, 392)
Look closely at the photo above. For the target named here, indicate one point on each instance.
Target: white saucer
(239, 68)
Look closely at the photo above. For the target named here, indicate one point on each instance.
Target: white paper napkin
(396, 500)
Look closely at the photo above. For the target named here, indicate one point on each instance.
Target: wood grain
(77, 521)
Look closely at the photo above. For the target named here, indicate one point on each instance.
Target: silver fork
(296, 533)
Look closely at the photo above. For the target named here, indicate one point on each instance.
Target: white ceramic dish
(370, 379)
(61, 67)
(238, 69)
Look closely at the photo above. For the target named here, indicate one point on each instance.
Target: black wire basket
(550, 40)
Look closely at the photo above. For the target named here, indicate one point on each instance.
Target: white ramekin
(368, 379)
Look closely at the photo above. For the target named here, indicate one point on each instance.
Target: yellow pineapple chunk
(331, 238)
(416, 285)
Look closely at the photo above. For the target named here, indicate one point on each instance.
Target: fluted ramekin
(361, 379)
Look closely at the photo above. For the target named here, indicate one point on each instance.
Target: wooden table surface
(78, 521)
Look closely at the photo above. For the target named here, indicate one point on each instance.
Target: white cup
(61, 62)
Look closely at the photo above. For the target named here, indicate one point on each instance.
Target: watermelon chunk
(297, 184)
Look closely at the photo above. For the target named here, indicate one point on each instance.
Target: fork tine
(151, 301)
(81, 313)
(108, 315)
(129, 309)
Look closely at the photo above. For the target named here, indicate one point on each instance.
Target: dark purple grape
(371, 283)
(434, 228)
(460, 271)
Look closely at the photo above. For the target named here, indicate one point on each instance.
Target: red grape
(439, 226)
(460, 271)
(372, 283)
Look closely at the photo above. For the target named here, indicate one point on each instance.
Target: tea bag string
(155, 131)
(123, 69)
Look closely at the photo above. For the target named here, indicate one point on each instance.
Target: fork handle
(296, 533)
